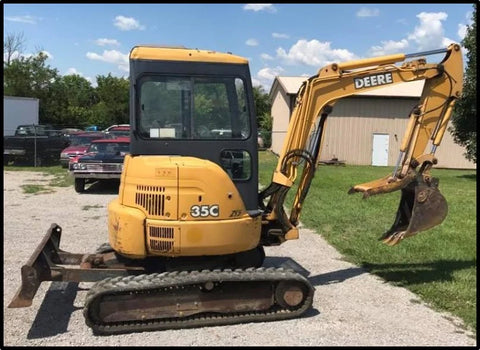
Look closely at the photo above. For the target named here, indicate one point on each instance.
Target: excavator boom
(422, 206)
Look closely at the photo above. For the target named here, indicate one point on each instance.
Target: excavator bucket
(422, 207)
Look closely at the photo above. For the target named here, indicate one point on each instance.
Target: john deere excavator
(188, 229)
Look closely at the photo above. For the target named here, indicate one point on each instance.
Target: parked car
(78, 145)
(118, 130)
(103, 160)
(69, 131)
(33, 144)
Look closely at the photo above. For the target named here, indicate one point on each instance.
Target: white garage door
(380, 149)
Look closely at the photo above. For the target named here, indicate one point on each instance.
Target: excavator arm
(421, 206)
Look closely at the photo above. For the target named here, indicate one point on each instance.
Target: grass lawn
(439, 264)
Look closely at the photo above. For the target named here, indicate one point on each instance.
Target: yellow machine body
(178, 206)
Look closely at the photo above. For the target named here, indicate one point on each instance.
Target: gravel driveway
(351, 307)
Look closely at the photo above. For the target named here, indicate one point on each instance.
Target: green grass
(61, 178)
(439, 265)
(36, 189)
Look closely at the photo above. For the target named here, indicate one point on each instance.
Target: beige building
(364, 129)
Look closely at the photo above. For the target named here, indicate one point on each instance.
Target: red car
(118, 130)
(79, 143)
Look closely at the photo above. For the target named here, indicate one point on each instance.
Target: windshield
(109, 147)
(193, 108)
(31, 130)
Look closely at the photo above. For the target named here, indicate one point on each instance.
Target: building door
(380, 149)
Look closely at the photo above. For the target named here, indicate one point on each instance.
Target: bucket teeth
(394, 239)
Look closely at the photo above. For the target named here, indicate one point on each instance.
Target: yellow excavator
(188, 229)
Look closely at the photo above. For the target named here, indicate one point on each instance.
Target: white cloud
(105, 42)
(266, 56)
(446, 41)
(269, 73)
(15, 55)
(265, 76)
(429, 34)
(389, 47)
(252, 42)
(260, 7)
(256, 82)
(367, 12)
(72, 71)
(111, 56)
(92, 81)
(462, 31)
(127, 23)
(314, 53)
(280, 36)
(22, 19)
(48, 54)
(469, 17)
(462, 27)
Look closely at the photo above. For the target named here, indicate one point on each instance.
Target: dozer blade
(37, 269)
(421, 207)
(49, 263)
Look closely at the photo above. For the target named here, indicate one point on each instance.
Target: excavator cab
(198, 104)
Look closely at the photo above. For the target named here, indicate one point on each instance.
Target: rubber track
(139, 283)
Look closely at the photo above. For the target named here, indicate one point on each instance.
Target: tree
(73, 102)
(464, 119)
(263, 107)
(262, 102)
(31, 77)
(113, 97)
(13, 45)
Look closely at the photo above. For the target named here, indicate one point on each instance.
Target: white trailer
(18, 111)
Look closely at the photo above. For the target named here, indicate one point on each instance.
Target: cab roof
(151, 52)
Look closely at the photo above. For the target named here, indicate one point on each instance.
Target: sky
(277, 39)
